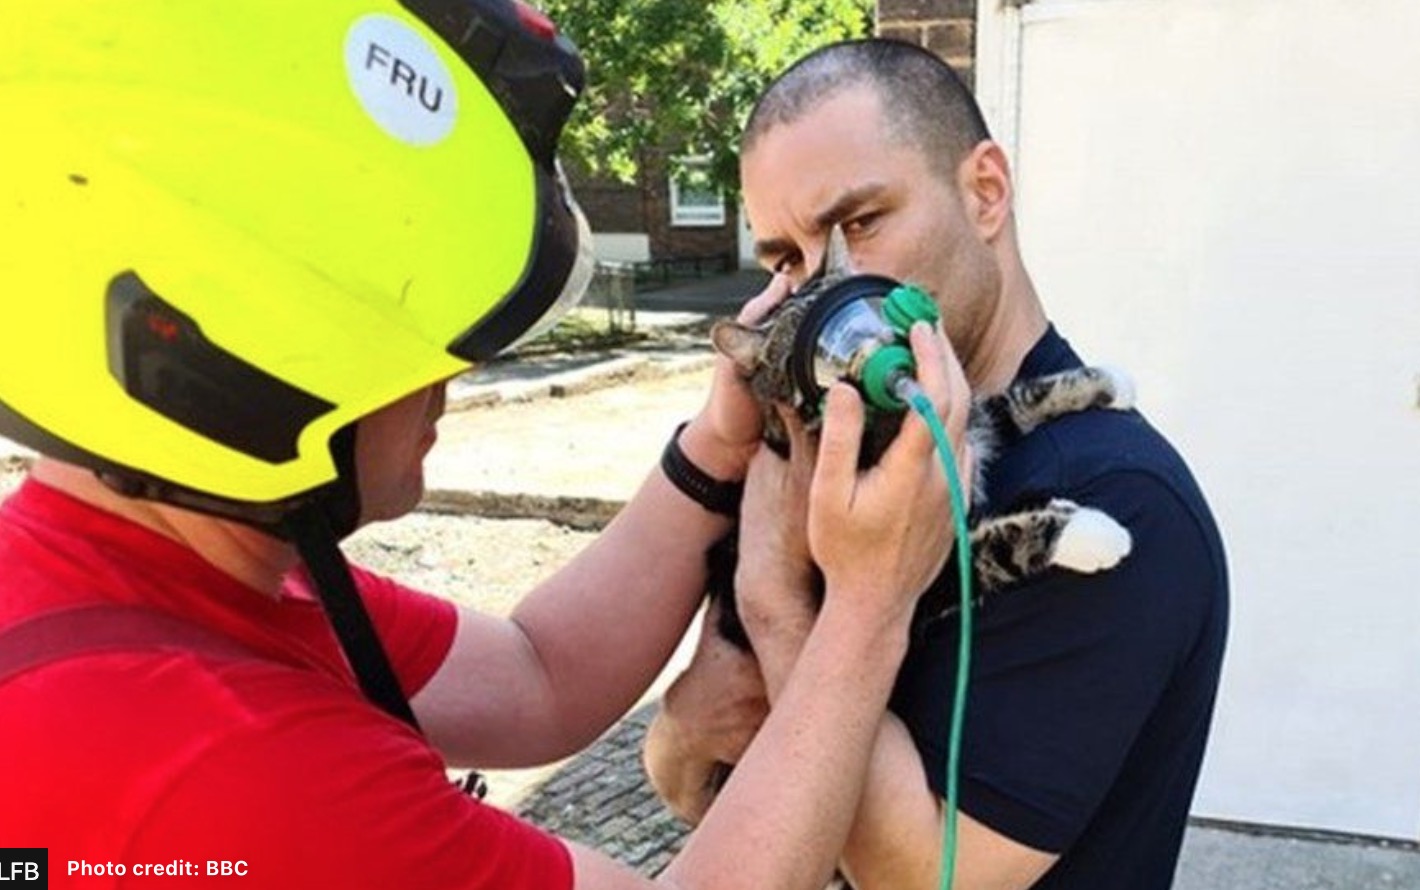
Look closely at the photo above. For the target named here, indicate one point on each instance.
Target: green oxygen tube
(919, 402)
(852, 339)
(888, 383)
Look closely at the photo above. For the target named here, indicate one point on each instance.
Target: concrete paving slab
(719, 294)
(599, 445)
(562, 376)
(1214, 858)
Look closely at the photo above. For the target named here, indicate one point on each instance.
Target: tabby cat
(1005, 549)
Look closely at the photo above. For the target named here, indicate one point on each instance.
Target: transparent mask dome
(846, 340)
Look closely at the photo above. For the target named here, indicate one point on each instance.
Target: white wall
(1222, 196)
(745, 238)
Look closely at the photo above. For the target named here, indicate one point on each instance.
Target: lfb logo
(19, 871)
(400, 80)
(24, 867)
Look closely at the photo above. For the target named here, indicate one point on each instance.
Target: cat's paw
(1122, 384)
(1091, 541)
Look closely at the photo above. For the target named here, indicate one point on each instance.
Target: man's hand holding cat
(725, 434)
(774, 578)
(707, 719)
(882, 535)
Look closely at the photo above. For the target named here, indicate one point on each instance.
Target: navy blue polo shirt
(1090, 696)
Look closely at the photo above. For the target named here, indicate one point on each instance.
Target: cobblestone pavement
(602, 799)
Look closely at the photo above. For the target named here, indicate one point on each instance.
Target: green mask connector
(904, 306)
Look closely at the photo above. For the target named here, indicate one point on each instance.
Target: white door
(744, 237)
(1222, 196)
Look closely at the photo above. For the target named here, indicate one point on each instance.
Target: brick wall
(946, 27)
(613, 207)
(610, 206)
(682, 241)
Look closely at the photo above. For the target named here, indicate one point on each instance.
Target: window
(695, 201)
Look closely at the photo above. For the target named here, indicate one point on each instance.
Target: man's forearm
(897, 832)
(896, 837)
(778, 643)
(603, 626)
(896, 840)
(799, 782)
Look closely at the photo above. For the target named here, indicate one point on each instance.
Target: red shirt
(277, 767)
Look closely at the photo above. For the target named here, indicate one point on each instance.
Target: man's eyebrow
(772, 247)
(841, 208)
(849, 201)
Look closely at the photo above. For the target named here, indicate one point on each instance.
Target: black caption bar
(23, 868)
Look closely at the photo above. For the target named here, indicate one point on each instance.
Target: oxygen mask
(856, 330)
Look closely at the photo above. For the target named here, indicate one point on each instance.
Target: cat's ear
(837, 263)
(740, 344)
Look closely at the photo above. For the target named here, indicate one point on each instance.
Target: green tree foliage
(676, 78)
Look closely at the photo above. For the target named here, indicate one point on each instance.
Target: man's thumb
(839, 443)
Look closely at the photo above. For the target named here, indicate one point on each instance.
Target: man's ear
(739, 343)
(984, 181)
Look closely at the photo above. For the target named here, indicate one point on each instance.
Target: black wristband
(707, 491)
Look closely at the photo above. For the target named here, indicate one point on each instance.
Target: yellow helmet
(232, 229)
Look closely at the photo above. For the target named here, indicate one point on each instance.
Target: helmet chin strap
(309, 528)
(315, 525)
(316, 529)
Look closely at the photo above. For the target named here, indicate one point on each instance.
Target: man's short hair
(923, 100)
